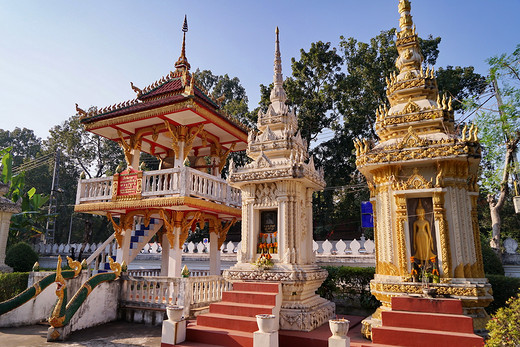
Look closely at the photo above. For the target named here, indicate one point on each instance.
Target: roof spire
(278, 93)
(410, 56)
(405, 22)
(182, 62)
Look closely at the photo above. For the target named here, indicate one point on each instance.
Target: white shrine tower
(277, 188)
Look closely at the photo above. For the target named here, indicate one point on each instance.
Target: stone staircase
(141, 235)
(232, 321)
(425, 322)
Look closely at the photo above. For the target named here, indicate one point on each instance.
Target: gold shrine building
(422, 176)
(176, 120)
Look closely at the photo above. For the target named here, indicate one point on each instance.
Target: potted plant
(185, 272)
(264, 262)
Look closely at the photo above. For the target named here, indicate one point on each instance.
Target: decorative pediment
(263, 162)
(415, 181)
(267, 135)
(411, 107)
(411, 139)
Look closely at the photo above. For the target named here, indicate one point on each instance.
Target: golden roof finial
(182, 62)
(405, 22)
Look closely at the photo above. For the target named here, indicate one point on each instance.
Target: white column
(179, 157)
(136, 156)
(165, 245)
(5, 219)
(175, 256)
(214, 255)
(123, 252)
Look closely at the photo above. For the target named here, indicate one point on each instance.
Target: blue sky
(55, 53)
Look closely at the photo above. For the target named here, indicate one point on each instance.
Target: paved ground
(115, 334)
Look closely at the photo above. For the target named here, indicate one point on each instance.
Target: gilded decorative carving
(125, 223)
(430, 150)
(479, 265)
(187, 221)
(415, 181)
(401, 216)
(439, 214)
(134, 143)
(386, 268)
(158, 203)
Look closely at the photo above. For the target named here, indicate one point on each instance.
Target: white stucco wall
(100, 307)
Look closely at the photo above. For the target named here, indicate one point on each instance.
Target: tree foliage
(504, 326)
(499, 133)
(28, 223)
(337, 90)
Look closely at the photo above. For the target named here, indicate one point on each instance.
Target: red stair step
(239, 309)
(423, 338)
(263, 287)
(422, 320)
(216, 336)
(224, 321)
(250, 297)
(412, 304)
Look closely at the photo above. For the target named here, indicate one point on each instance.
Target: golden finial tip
(277, 30)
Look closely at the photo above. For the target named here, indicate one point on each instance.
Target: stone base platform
(301, 309)
(475, 294)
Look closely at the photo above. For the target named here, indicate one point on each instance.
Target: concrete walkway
(115, 334)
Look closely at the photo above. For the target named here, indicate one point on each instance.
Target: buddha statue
(422, 237)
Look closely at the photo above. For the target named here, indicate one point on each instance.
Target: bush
(492, 263)
(503, 288)
(351, 284)
(21, 257)
(12, 284)
(504, 327)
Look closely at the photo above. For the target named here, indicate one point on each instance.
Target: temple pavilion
(176, 120)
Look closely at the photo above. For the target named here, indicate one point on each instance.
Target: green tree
(338, 91)
(499, 135)
(27, 224)
(233, 101)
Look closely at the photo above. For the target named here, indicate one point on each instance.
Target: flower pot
(339, 327)
(266, 322)
(174, 312)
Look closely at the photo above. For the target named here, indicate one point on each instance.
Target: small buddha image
(422, 236)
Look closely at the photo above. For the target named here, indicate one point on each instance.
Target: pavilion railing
(183, 181)
(160, 291)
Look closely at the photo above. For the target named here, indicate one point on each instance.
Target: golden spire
(405, 22)
(410, 56)
(182, 62)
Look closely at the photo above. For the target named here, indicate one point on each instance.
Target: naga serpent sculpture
(63, 311)
(38, 287)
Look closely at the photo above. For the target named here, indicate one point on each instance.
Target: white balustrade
(341, 246)
(355, 246)
(183, 181)
(191, 292)
(161, 182)
(230, 247)
(327, 247)
(322, 248)
(94, 190)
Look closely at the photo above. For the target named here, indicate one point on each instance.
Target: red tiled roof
(155, 98)
(142, 106)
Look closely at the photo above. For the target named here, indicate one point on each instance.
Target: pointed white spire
(278, 95)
